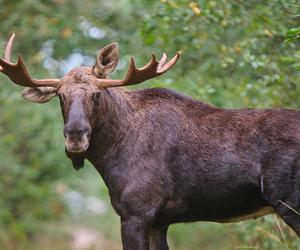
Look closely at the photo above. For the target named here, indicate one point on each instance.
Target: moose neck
(114, 113)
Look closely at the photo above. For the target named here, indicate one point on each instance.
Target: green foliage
(31, 160)
(233, 51)
(293, 34)
(235, 54)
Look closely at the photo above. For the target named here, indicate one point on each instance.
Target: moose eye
(96, 97)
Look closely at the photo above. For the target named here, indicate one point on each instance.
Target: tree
(235, 54)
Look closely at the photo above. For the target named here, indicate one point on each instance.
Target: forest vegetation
(235, 54)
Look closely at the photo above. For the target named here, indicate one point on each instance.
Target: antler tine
(137, 75)
(162, 60)
(162, 68)
(8, 48)
(18, 72)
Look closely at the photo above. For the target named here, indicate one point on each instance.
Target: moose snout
(77, 131)
(77, 136)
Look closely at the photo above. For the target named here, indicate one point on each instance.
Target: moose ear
(40, 94)
(107, 60)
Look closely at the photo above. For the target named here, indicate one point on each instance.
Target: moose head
(80, 90)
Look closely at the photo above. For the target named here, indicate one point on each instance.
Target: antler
(18, 72)
(138, 75)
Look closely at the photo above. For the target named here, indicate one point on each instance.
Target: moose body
(167, 158)
(178, 160)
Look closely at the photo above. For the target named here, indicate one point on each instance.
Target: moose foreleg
(135, 233)
(158, 238)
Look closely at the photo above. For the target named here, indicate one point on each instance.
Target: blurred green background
(239, 53)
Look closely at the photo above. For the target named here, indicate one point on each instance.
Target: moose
(167, 158)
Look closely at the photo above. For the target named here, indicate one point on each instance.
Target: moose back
(167, 158)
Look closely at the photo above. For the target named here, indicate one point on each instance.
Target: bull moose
(167, 158)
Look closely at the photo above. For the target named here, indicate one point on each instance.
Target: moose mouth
(77, 136)
(76, 147)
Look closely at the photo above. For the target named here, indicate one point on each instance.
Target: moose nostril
(85, 130)
(80, 132)
(77, 131)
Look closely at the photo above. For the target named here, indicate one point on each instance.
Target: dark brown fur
(167, 158)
